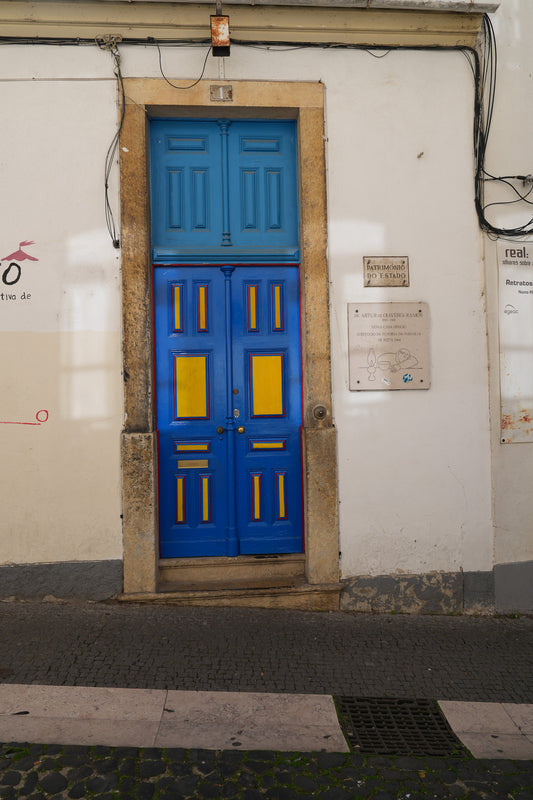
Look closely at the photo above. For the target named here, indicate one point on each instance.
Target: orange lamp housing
(220, 35)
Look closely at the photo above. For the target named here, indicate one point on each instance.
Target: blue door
(227, 334)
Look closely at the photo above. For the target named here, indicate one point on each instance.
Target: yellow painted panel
(191, 386)
(268, 445)
(198, 463)
(267, 385)
(252, 310)
(281, 496)
(178, 324)
(257, 496)
(206, 499)
(180, 505)
(277, 308)
(202, 308)
(193, 447)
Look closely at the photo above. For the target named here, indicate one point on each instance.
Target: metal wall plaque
(388, 346)
(386, 270)
(221, 94)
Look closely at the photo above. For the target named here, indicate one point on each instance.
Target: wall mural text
(12, 273)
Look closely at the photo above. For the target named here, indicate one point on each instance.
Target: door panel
(228, 410)
(190, 373)
(267, 361)
(223, 190)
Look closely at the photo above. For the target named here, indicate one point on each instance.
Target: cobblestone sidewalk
(39, 772)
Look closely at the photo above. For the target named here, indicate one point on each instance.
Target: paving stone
(230, 789)
(79, 773)
(46, 764)
(29, 785)
(127, 784)
(53, 782)
(102, 783)
(335, 793)
(11, 778)
(177, 754)
(77, 791)
(305, 783)
(252, 794)
(144, 791)
(149, 769)
(127, 766)
(54, 749)
(280, 793)
(180, 769)
(186, 786)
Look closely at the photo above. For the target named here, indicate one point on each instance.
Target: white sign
(515, 260)
(388, 346)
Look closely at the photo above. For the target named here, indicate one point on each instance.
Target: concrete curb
(245, 721)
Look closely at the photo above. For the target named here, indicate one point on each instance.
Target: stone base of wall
(507, 589)
(83, 580)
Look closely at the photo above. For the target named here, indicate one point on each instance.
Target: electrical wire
(484, 71)
(111, 45)
(483, 121)
(173, 84)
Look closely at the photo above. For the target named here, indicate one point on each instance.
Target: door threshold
(305, 597)
(259, 570)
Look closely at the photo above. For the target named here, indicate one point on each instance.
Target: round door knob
(240, 429)
(220, 429)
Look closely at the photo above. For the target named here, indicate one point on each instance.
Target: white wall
(415, 467)
(60, 349)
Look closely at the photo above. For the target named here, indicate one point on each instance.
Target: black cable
(483, 121)
(484, 70)
(173, 84)
(112, 46)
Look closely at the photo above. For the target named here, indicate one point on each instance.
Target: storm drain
(391, 726)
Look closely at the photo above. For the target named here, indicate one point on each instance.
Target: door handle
(220, 429)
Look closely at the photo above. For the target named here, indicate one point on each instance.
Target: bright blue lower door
(228, 410)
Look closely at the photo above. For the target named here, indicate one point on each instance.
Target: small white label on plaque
(386, 270)
(388, 346)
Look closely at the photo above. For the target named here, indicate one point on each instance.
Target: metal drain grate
(388, 726)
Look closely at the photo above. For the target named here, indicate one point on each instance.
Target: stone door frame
(146, 98)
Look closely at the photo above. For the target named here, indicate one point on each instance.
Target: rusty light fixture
(219, 32)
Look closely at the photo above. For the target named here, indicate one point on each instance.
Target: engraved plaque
(386, 270)
(388, 346)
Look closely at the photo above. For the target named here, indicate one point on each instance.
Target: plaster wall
(60, 322)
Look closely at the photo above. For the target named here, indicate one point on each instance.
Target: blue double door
(227, 335)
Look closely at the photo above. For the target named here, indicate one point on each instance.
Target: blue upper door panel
(185, 184)
(224, 191)
(264, 204)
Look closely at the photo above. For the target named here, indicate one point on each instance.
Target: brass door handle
(240, 429)
(220, 429)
